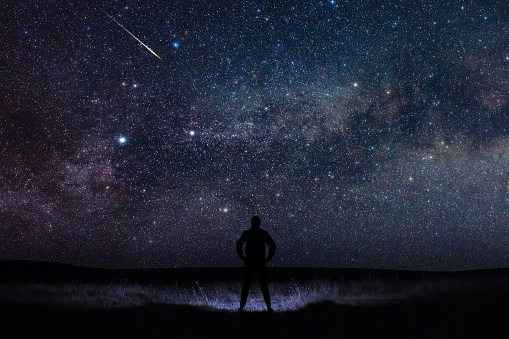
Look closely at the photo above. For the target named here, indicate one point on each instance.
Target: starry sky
(363, 133)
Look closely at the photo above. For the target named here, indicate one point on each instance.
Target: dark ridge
(17, 271)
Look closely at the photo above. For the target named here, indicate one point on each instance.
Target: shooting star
(151, 51)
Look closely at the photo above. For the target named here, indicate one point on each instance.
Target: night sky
(363, 133)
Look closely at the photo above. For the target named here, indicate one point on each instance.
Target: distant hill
(16, 271)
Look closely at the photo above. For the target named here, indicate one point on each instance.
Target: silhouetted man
(255, 239)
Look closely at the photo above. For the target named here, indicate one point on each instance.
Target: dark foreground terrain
(474, 310)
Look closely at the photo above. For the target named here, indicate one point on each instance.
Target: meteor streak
(151, 51)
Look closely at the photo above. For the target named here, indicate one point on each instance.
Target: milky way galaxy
(363, 133)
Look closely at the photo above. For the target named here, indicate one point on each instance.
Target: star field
(363, 133)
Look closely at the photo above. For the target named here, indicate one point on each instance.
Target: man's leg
(245, 285)
(262, 280)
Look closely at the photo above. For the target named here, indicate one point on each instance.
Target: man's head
(255, 221)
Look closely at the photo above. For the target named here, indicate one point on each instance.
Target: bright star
(122, 140)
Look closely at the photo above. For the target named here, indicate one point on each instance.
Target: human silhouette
(255, 239)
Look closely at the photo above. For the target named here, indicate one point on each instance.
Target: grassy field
(220, 296)
(304, 308)
(212, 297)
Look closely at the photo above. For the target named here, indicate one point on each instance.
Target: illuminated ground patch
(221, 296)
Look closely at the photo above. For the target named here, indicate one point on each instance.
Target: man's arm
(239, 245)
(272, 247)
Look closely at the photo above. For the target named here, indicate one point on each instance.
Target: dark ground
(477, 311)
